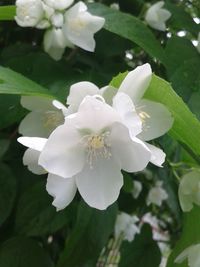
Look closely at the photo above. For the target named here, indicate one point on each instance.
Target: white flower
(155, 120)
(198, 44)
(80, 26)
(29, 12)
(137, 188)
(87, 152)
(156, 195)
(44, 117)
(156, 16)
(189, 190)
(126, 225)
(55, 43)
(58, 4)
(191, 253)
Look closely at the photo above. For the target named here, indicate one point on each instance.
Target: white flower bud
(29, 12)
(59, 4)
(156, 16)
(57, 20)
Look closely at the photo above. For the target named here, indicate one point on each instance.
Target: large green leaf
(186, 127)
(89, 236)
(7, 192)
(190, 235)
(23, 252)
(7, 12)
(35, 214)
(129, 27)
(142, 252)
(12, 82)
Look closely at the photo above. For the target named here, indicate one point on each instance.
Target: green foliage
(7, 12)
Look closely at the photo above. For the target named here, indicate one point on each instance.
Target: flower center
(97, 145)
(77, 24)
(143, 116)
(52, 119)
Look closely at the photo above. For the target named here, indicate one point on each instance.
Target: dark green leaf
(90, 235)
(23, 252)
(142, 252)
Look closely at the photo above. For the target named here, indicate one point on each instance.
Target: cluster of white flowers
(157, 194)
(156, 16)
(101, 132)
(65, 25)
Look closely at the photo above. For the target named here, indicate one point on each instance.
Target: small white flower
(189, 190)
(192, 254)
(137, 188)
(55, 43)
(156, 16)
(87, 152)
(29, 12)
(80, 26)
(58, 4)
(156, 195)
(126, 226)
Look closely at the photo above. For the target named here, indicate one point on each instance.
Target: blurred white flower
(137, 188)
(80, 26)
(126, 226)
(157, 195)
(192, 254)
(189, 190)
(59, 4)
(156, 16)
(29, 12)
(88, 151)
(198, 44)
(55, 43)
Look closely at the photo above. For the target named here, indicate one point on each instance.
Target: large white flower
(189, 190)
(29, 12)
(90, 149)
(156, 16)
(58, 4)
(155, 119)
(80, 26)
(191, 253)
(126, 227)
(156, 195)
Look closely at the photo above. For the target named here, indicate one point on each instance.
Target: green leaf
(7, 12)
(12, 82)
(129, 27)
(190, 235)
(7, 192)
(4, 145)
(23, 252)
(186, 127)
(89, 236)
(35, 214)
(142, 252)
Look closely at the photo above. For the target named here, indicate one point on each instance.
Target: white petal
(35, 143)
(100, 186)
(77, 93)
(63, 190)
(36, 103)
(34, 125)
(194, 256)
(60, 106)
(131, 152)
(95, 114)
(183, 255)
(124, 105)
(136, 82)
(30, 159)
(81, 25)
(108, 92)
(156, 117)
(59, 4)
(63, 153)
(157, 155)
